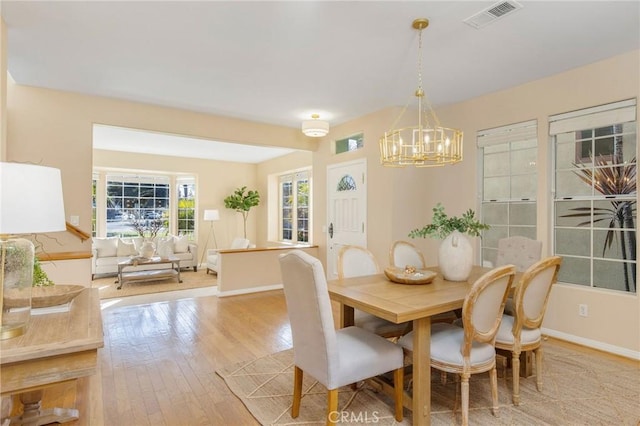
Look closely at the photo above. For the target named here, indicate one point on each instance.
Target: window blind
(592, 118)
(512, 133)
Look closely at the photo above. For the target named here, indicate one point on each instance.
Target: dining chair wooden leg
(538, 354)
(332, 407)
(464, 391)
(297, 391)
(493, 374)
(398, 385)
(515, 373)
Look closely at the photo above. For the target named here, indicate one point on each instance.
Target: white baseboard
(605, 347)
(249, 290)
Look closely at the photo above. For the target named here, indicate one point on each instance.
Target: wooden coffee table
(171, 271)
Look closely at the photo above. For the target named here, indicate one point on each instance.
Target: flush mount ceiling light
(428, 144)
(315, 127)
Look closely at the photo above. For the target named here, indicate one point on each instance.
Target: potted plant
(455, 256)
(242, 203)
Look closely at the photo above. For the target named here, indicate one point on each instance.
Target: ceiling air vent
(492, 13)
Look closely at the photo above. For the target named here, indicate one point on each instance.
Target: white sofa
(108, 252)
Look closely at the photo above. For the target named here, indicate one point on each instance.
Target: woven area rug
(265, 386)
(108, 287)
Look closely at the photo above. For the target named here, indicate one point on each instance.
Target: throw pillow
(181, 244)
(106, 247)
(126, 249)
(165, 247)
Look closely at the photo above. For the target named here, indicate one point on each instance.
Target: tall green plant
(242, 203)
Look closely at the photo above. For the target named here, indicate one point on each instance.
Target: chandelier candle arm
(428, 144)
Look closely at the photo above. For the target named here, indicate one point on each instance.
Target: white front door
(347, 205)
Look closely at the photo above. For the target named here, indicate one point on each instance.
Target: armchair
(212, 254)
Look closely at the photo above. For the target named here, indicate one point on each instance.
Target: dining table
(399, 303)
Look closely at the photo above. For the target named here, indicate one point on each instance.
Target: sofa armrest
(193, 249)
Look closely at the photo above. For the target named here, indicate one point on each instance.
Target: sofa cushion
(164, 246)
(126, 248)
(180, 244)
(106, 247)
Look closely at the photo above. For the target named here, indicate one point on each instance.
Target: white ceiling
(277, 62)
(113, 138)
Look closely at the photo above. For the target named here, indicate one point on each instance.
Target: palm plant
(615, 178)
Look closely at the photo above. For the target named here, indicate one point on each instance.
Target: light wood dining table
(399, 303)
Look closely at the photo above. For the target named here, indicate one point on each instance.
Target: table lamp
(30, 202)
(210, 216)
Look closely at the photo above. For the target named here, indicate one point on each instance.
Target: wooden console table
(57, 348)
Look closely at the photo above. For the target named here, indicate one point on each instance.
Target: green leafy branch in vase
(442, 225)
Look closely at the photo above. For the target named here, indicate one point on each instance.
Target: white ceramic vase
(455, 257)
(147, 249)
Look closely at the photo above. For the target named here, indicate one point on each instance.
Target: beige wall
(402, 199)
(54, 128)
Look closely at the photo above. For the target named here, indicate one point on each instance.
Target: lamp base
(16, 281)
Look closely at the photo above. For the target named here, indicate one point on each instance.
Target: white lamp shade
(211, 215)
(315, 128)
(31, 199)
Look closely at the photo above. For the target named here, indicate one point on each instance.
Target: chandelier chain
(420, 61)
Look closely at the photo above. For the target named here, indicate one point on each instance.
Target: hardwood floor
(159, 360)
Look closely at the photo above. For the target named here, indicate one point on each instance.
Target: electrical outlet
(583, 310)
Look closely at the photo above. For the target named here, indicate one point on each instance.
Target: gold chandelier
(428, 144)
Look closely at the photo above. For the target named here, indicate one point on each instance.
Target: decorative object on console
(455, 256)
(428, 144)
(315, 128)
(210, 216)
(30, 202)
(242, 203)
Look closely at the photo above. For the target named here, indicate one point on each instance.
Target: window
(595, 195)
(351, 143)
(94, 222)
(294, 207)
(186, 194)
(164, 202)
(509, 184)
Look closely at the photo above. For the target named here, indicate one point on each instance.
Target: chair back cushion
(310, 315)
(403, 254)
(356, 261)
(239, 243)
(483, 307)
(533, 291)
(519, 251)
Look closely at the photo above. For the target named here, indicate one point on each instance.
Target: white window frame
(507, 139)
(601, 116)
(101, 176)
(294, 178)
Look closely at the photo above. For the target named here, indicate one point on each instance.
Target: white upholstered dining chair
(357, 261)
(521, 252)
(470, 349)
(403, 253)
(521, 331)
(333, 357)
